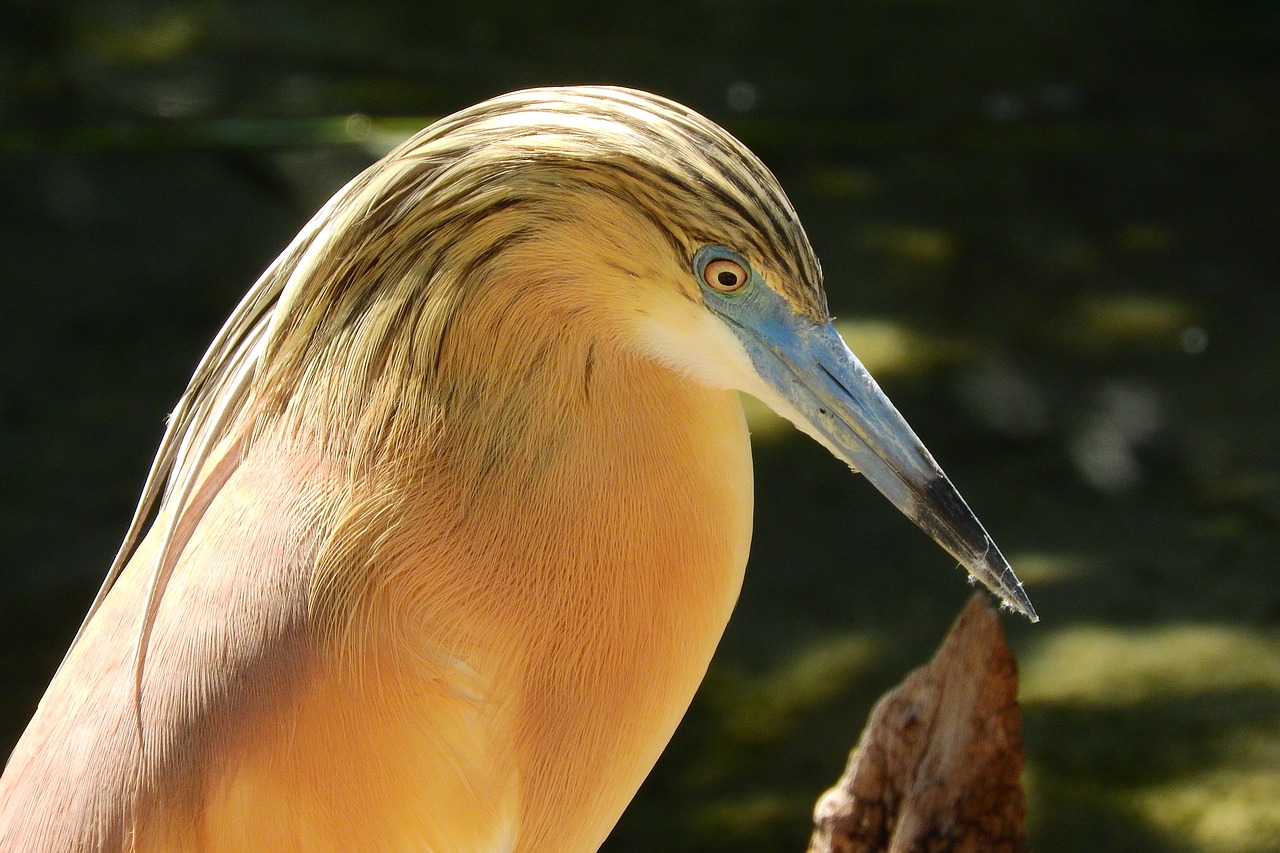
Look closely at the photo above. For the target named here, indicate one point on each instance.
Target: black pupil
(727, 278)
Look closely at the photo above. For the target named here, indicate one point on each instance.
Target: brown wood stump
(938, 766)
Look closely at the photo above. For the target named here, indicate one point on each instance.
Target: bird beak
(833, 398)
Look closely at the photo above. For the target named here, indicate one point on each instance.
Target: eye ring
(725, 275)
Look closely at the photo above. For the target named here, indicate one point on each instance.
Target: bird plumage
(439, 522)
(456, 507)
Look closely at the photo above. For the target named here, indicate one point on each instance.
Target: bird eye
(724, 275)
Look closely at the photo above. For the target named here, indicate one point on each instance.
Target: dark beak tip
(1024, 607)
(1014, 598)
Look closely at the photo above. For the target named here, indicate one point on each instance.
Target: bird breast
(518, 644)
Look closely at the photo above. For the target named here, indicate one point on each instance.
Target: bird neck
(479, 379)
(517, 411)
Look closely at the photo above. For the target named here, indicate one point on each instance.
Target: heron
(440, 539)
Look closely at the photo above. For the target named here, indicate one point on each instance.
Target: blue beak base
(836, 400)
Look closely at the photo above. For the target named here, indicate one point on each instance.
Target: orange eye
(724, 275)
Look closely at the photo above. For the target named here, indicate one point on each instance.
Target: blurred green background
(1048, 226)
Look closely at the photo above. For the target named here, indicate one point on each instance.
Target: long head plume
(348, 333)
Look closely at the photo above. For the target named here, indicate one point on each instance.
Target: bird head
(646, 221)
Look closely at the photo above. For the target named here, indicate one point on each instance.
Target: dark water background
(1050, 227)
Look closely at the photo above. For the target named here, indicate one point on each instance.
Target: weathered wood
(937, 769)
